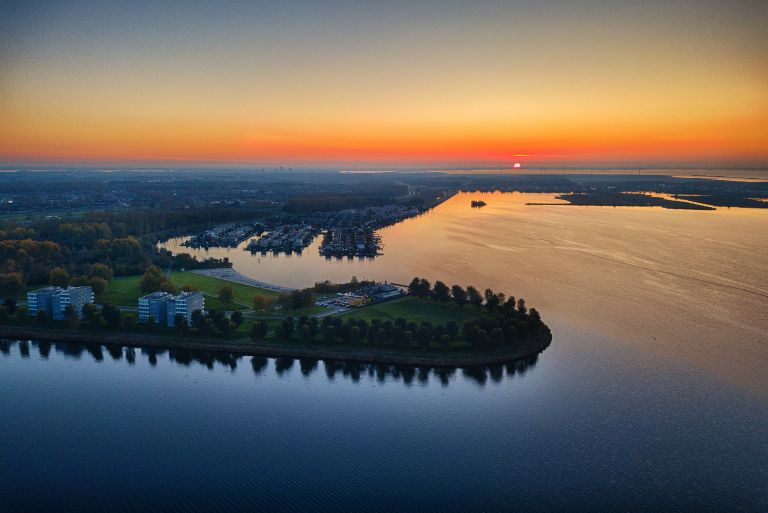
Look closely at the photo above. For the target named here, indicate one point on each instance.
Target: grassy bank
(125, 290)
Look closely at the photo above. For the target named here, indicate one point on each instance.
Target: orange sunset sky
(383, 84)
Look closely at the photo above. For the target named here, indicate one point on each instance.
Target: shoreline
(363, 355)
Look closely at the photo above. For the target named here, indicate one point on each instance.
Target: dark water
(652, 397)
(589, 425)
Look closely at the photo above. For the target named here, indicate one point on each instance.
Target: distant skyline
(376, 85)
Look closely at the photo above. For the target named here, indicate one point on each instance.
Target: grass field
(417, 310)
(125, 291)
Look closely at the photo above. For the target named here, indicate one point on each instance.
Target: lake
(653, 395)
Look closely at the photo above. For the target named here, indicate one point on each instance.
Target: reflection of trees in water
(307, 365)
(44, 348)
(283, 364)
(353, 371)
(259, 363)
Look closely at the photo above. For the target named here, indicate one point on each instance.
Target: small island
(478, 203)
(420, 324)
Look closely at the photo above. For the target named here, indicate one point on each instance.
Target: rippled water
(652, 396)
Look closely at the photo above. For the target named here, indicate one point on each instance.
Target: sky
(355, 84)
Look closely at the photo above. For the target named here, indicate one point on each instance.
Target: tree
(441, 292)
(112, 315)
(459, 295)
(226, 294)
(262, 302)
(151, 322)
(71, 316)
(10, 305)
(92, 314)
(42, 318)
(236, 318)
(330, 335)
(474, 297)
(4, 315)
(151, 280)
(197, 319)
(22, 314)
(180, 323)
(58, 277)
(11, 285)
(98, 284)
(100, 271)
(452, 329)
(355, 335)
(305, 334)
(521, 306)
(259, 330)
(129, 321)
(491, 300)
(424, 287)
(408, 339)
(445, 341)
(413, 287)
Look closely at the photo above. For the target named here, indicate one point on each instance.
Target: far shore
(246, 347)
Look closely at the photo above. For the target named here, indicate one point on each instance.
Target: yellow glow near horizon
(454, 90)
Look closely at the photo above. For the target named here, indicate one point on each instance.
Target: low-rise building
(54, 301)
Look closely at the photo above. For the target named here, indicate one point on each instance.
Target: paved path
(229, 274)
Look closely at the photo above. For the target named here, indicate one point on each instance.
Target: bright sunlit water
(652, 397)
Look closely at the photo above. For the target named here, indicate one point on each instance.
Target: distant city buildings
(163, 307)
(54, 301)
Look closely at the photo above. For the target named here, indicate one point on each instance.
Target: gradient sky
(358, 84)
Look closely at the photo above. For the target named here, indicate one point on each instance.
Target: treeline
(331, 202)
(120, 241)
(506, 319)
(329, 287)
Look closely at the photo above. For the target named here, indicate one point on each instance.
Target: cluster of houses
(161, 306)
(286, 238)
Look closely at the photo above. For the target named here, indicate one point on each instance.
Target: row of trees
(421, 287)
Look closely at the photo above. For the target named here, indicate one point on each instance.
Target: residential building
(163, 306)
(184, 304)
(154, 305)
(54, 301)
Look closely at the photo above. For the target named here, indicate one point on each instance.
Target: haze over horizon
(367, 85)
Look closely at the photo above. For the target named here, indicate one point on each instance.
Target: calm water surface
(652, 397)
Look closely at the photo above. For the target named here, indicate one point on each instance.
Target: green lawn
(416, 310)
(125, 291)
